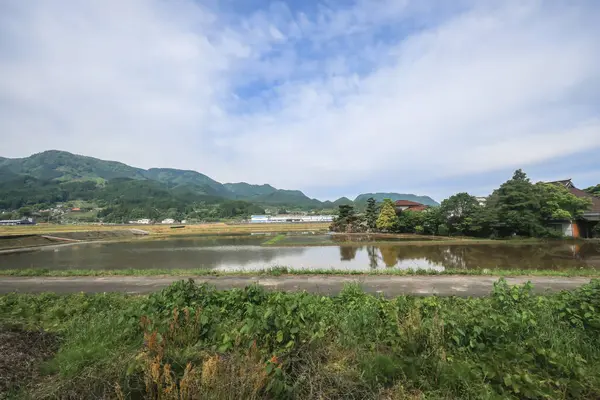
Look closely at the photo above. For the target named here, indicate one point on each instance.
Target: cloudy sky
(330, 97)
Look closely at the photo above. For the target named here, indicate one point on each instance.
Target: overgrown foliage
(191, 341)
(595, 190)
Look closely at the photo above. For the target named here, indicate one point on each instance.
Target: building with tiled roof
(403, 205)
(590, 218)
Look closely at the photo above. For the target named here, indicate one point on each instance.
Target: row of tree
(517, 207)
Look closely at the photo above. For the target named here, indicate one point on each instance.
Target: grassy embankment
(191, 341)
(281, 270)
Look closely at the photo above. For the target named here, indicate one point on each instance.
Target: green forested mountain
(428, 201)
(267, 194)
(342, 201)
(55, 176)
(246, 190)
(195, 181)
(64, 166)
(288, 197)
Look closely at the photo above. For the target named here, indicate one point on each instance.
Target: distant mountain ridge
(428, 201)
(62, 166)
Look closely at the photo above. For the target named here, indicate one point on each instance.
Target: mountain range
(53, 166)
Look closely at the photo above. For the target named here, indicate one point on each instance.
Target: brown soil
(8, 242)
(95, 235)
(24, 241)
(20, 355)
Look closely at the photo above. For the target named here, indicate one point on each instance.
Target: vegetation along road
(320, 284)
(191, 341)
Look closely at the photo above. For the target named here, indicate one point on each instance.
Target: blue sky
(334, 98)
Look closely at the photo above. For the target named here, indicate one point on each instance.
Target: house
(75, 209)
(403, 205)
(259, 219)
(589, 219)
(274, 219)
(143, 221)
(168, 221)
(25, 221)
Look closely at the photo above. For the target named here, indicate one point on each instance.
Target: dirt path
(324, 284)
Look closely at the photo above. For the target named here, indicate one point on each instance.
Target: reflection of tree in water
(373, 258)
(389, 255)
(502, 256)
(348, 253)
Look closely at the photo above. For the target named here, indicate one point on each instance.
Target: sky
(334, 98)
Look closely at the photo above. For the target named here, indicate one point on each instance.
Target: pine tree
(387, 216)
(371, 214)
(345, 220)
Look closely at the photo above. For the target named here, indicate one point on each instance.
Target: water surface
(246, 253)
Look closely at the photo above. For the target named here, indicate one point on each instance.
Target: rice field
(213, 228)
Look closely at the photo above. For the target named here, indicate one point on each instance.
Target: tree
(514, 208)
(387, 219)
(7, 215)
(25, 211)
(432, 219)
(557, 203)
(595, 190)
(346, 219)
(371, 214)
(459, 211)
(409, 220)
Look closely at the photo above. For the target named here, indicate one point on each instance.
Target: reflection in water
(347, 253)
(389, 255)
(373, 258)
(245, 253)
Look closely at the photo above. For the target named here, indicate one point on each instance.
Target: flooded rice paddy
(248, 253)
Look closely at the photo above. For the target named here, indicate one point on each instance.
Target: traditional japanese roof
(407, 203)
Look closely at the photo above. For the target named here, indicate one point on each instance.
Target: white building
(274, 219)
(143, 221)
(168, 221)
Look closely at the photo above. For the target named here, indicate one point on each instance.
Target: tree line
(518, 207)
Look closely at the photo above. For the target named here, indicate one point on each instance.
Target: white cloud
(302, 100)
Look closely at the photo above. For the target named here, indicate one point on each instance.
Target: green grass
(273, 240)
(281, 270)
(253, 344)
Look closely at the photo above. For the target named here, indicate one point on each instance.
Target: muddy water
(246, 253)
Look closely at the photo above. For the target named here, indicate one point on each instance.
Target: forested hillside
(115, 192)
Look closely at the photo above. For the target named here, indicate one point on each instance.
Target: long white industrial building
(274, 219)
